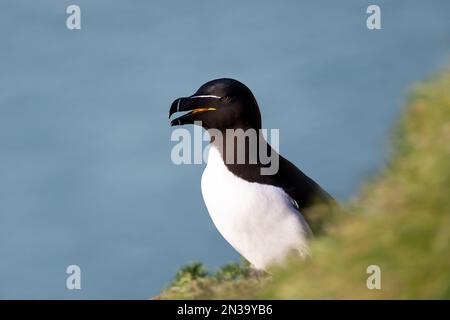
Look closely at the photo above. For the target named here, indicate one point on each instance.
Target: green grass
(193, 281)
(400, 221)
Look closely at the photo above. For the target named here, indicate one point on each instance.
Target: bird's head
(219, 104)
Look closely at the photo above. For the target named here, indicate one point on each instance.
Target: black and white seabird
(259, 215)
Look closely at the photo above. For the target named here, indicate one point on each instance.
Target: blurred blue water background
(85, 170)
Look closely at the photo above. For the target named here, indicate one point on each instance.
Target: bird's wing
(305, 191)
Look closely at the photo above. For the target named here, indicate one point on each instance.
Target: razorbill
(258, 214)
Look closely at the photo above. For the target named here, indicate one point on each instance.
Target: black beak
(195, 104)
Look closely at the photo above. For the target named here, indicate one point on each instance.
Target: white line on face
(178, 105)
(206, 96)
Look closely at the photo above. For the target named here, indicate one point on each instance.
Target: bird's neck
(239, 146)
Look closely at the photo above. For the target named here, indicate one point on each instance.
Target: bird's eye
(226, 99)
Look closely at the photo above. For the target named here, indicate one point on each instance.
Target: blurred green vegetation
(193, 281)
(400, 221)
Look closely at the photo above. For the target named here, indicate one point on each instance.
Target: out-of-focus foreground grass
(399, 222)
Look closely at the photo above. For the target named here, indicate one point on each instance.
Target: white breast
(258, 220)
